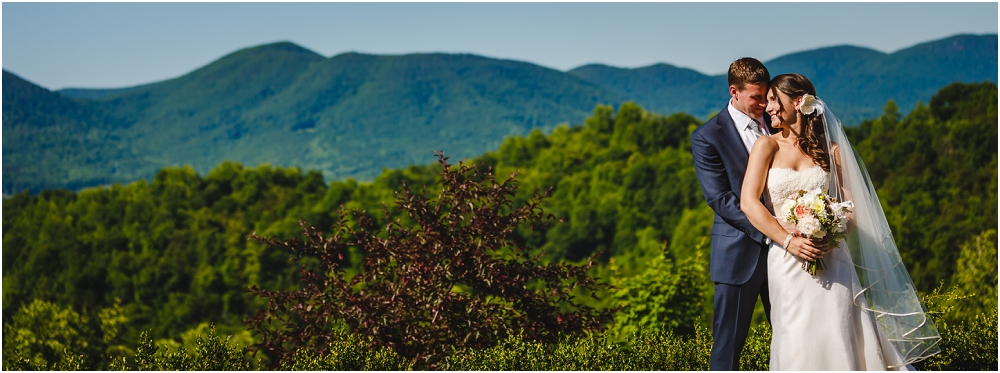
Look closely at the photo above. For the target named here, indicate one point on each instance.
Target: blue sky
(106, 45)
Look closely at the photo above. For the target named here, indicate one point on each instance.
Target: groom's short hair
(747, 70)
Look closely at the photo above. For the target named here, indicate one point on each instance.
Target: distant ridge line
(353, 114)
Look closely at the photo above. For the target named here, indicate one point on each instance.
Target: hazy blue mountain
(855, 81)
(861, 80)
(353, 114)
(661, 87)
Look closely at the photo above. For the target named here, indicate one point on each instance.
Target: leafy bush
(211, 353)
(968, 345)
(644, 350)
(47, 336)
(18, 359)
(757, 350)
(976, 276)
(348, 352)
(452, 279)
(965, 346)
(667, 295)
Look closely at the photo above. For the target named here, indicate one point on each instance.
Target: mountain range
(351, 115)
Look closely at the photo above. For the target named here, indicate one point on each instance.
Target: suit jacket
(720, 161)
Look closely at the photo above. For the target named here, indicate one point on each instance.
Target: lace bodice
(783, 182)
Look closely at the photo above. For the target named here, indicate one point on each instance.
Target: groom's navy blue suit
(738, 264)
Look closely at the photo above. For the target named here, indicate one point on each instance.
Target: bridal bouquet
(815, 214)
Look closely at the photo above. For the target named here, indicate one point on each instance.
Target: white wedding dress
(816, 324)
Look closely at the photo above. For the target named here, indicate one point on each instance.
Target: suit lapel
(734, 144)
(731, 138)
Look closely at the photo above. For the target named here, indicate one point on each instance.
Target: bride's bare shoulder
(765, 143)
(763, 150)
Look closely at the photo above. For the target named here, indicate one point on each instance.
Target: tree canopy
(173, 253)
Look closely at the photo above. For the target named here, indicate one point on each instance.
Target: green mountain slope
(352, 115)
(203, 118)
(53, 141)
(846, 76)
(360, 113)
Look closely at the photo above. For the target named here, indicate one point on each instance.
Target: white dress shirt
(744, 125)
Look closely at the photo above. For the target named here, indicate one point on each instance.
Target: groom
(738, 264)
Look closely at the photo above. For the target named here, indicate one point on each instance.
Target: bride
(860, 312)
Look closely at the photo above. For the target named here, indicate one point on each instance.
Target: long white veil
(885, 288)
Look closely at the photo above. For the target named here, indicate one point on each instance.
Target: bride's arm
(753, 186)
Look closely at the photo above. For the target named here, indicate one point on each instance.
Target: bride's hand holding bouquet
(817, 216)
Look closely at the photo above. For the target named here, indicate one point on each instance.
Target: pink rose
(802, 211)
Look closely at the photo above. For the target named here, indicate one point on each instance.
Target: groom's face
(751, 100)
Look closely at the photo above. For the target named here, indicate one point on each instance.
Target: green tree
(666, 296)
(935, 173)
(976, 277)
(45, 336)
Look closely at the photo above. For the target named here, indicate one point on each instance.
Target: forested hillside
(49, 139)
(171, 254)
(936, 173)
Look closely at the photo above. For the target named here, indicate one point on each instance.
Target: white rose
(810, 226)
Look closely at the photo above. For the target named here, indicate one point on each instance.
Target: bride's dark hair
(812, 139)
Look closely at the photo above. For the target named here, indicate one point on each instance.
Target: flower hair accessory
(809, 105)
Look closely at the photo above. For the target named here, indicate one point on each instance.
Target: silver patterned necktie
(755, 128)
